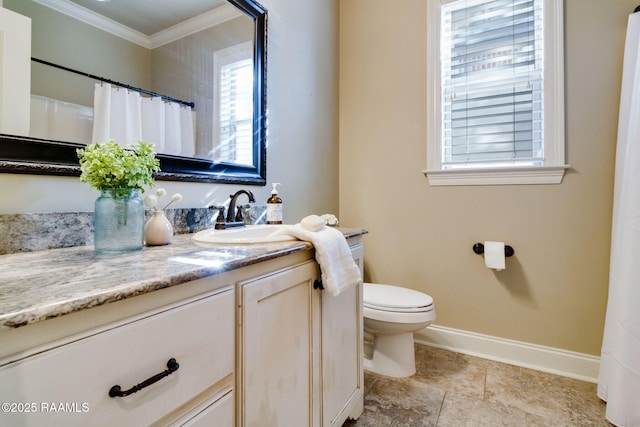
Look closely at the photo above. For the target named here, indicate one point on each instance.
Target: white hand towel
(339, 270)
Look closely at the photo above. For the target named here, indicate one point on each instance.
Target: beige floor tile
(534, 394)
(463, 411)
(369, 379)
(563, 401)
(456, 390)
(433, 353)
(533, 420)
(581, 420)
(400, 402)
(485, 363)
(449, 374)
(371, 417)
(585, 408)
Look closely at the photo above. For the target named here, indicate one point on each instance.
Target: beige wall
(302, 78)
(554, 290)
(66, 41)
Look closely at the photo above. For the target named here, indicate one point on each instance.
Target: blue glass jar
(118, 221)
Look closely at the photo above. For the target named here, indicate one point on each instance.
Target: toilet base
(393, 356)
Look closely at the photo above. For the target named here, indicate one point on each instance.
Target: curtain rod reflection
(105, 80)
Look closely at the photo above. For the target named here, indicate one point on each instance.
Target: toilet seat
(395, 299)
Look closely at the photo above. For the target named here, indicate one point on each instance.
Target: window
(495, 91)
(233, 104)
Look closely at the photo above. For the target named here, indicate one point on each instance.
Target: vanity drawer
(69, 384)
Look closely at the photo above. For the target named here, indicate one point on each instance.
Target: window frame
(221, 58)
(554, 166)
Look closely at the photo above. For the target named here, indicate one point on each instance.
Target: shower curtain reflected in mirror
(125, 116)
(619, 376)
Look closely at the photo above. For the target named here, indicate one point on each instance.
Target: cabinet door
(342, 370)
(278, 336)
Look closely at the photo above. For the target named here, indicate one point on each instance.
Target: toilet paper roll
(494, 255)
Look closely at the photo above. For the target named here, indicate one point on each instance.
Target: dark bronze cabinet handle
(116, 390)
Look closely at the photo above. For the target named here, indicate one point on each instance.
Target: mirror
(214, 159)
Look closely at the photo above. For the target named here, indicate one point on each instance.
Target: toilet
(391, 315)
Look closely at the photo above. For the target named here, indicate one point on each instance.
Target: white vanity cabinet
(300, 350)
(257, 345)
(342, 352)
(67, 382)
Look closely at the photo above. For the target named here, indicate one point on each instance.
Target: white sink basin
(243, 235)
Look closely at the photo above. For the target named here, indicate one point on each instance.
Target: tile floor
(455, 390)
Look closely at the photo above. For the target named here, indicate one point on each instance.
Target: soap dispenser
(274, 206)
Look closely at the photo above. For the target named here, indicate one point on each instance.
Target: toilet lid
(394, 298)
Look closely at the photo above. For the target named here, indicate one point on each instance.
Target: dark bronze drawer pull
(172, 366)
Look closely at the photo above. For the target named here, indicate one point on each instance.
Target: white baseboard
(547, 359)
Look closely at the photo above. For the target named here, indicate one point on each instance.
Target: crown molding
(94, 19)
(193, 25)
(186, 28)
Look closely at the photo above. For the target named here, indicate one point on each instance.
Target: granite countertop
(40, 285)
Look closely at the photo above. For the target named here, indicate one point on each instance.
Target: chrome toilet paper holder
(479, 249)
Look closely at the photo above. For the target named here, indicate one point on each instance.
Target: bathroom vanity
(225, 335)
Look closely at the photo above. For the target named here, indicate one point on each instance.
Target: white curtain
(153, 122)
(619, 376)
(59, 120)
(126, 116)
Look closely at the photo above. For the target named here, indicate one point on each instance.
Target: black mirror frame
(25, 155)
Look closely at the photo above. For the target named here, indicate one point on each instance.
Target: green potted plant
(119, 173)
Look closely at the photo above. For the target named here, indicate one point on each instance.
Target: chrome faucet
(232, 215)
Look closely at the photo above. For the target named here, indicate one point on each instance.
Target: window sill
(498, 176)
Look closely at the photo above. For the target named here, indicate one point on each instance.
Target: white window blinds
(492, 83)
(236, 112)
